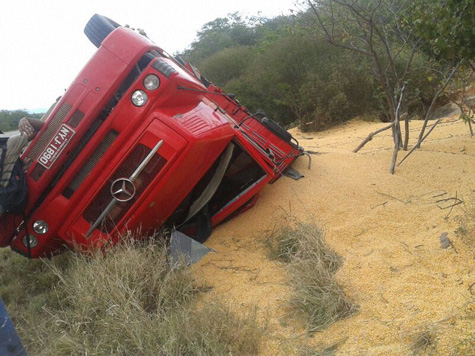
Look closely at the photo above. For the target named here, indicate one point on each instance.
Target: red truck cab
(138, 141)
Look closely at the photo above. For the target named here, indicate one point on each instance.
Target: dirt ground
(387, 229)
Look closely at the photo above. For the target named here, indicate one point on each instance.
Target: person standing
(13, 189)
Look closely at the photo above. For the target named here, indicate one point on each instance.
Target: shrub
(226, 65)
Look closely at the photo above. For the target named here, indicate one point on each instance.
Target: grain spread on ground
(386, 227)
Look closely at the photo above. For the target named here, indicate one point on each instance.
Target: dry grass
(305, 345)
(422, 342)
(312, 265)
(466, 228)
(129, 302)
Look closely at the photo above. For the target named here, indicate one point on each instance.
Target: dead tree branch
(330, 36)
(419, 142)
(469, 114)
(405, 116)
(434, 99)
(397, 129)
(370, 137)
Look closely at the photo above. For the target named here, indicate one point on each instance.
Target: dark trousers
(7, 228)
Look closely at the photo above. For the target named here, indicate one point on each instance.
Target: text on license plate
(56, 146)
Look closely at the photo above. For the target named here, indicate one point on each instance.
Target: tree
(447, 27)
(370, 28)
(222, 33)
(383, 31)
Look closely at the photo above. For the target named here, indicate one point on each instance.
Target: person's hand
(25, 128)
(26, 163)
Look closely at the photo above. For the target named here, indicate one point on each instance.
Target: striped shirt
(15, 146)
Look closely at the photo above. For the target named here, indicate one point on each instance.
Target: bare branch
(389, 55)
(434, 99)
(397, 129)
(406, 130)
(401, 98)
(353, 9)
(330, 37)
(419, 142)
(469, 113)
(395, 152)
(409, 62)
(370, 137)
(333, 17)
(319, 19)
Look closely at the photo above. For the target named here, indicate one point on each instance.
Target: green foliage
(273, 81)
(338, 90)
(284, 66)
(225, 65)
(9, 119)
(448, 26)
(219, 34)
(422, 82)
(293, 78)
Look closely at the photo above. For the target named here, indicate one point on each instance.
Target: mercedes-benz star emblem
(123, 189)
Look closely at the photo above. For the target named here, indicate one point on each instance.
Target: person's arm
(30, 127)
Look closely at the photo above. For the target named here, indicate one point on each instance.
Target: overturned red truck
(141, 140)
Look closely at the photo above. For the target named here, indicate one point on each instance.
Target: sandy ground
(386, 227)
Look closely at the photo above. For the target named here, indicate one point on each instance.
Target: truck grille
(50, 131)
(76, 118)
(90, 164)
(125, 170)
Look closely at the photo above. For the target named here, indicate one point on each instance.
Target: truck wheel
(98, 28)
(276, 129)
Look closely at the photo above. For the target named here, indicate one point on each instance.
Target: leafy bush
(226, 65)
(295, 79)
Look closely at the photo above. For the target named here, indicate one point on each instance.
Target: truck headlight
(33, 241)
(40, 227)
(151, 82)
(139, 98)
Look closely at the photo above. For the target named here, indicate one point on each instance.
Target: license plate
(56, 146)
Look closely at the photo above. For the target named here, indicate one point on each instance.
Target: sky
(43, 47)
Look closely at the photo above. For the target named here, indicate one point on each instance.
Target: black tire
(98, 28)
(276, 129)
